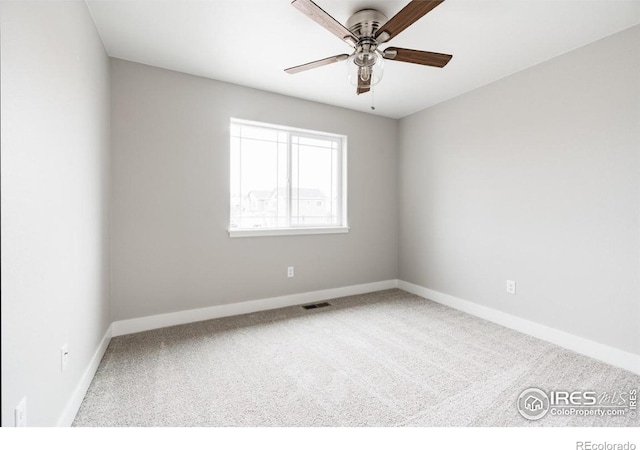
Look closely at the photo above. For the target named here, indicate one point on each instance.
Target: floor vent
(317, 305)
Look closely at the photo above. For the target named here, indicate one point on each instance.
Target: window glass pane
(234, 175)
(295, 183)
(336, 194)
(312, 193)
(258, 184)
(282, 195)
(323, 143)
(263, 134)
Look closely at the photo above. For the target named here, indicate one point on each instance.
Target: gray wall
(534, 178)
(170, 246)
(55, 196)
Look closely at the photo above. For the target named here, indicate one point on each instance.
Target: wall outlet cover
(511, 287)
(64, 357)
(21, 413)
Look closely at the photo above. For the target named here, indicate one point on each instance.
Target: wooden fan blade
(318, 63)
(363, 86)
(325, 20)
(417, 56)
(407, 16)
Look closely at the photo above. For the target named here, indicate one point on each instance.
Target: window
(286, 181)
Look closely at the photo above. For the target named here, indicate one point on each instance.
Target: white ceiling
(250, 42)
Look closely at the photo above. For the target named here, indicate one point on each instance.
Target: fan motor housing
(366, 22)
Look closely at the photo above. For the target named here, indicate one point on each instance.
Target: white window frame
(341, 141)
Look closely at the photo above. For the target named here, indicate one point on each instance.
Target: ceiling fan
(365, 31)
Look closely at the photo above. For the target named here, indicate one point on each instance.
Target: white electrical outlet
(511, 287)
(21, 413)
(64, 357)
(290, 272)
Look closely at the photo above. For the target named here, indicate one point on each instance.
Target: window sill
(286, 231)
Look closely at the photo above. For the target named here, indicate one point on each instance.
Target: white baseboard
(137, 325)
(73, 405)
(596, 350)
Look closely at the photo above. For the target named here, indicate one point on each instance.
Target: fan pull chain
(373, 108)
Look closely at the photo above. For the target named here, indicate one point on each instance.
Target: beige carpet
(384, 359)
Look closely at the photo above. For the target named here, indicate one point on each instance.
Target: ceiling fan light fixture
(365, 66)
